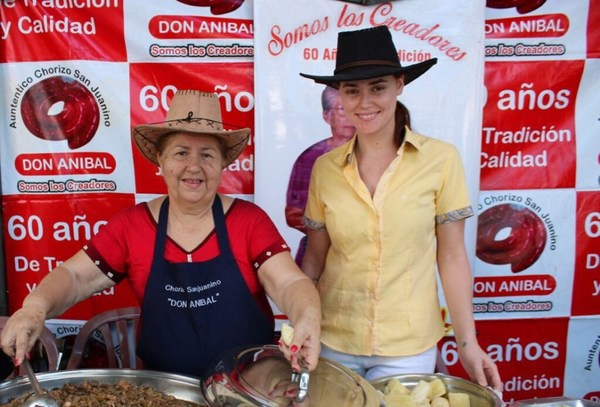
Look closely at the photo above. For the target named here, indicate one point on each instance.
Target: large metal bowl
(479, 396)
(555, 402)
(256, 376)
(179, 386)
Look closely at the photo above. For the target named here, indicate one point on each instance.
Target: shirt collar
(410, 138)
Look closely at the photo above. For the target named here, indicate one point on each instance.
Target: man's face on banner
(342, 129)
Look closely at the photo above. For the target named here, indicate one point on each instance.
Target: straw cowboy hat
(369, 53)
(195, 112)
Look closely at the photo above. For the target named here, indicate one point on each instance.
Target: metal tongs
(302, 378)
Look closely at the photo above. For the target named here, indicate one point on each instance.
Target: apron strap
(221, 227)
(218, 219)
(161, 231)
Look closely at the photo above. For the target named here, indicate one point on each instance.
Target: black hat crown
(369, 53)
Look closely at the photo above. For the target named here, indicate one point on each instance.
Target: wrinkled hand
(21, 331)
(305, 347)
(479, 366)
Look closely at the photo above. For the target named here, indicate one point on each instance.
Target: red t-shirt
(123, 248)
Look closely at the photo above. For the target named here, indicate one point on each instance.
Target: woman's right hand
(21, 331)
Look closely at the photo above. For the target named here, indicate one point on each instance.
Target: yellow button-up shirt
(378, 288)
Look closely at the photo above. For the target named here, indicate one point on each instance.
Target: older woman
(202, 264)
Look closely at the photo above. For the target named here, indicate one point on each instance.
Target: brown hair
(402, 121)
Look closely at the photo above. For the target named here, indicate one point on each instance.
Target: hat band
(364, 63)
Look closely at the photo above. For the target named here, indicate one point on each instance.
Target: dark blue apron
(193, 312)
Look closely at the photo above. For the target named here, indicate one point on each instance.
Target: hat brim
(358, 73)
(146, 137)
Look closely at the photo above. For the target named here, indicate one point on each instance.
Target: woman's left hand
(479, 366)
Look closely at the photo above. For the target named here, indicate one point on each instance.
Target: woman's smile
(192, 165)
(192, 181)
(367, 116)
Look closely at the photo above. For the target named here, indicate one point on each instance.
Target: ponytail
(402, 121)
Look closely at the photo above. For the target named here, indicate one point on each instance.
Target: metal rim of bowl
(183, 387)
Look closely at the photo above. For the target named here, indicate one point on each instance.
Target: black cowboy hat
(369, 53)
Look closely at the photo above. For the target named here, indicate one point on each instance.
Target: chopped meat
(122, 394)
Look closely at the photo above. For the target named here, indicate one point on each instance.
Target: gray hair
(327, 97)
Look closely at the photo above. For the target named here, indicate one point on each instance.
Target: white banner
(294, 36)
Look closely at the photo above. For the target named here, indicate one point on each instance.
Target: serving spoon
(40, 398)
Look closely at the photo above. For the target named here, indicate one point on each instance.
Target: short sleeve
(263, 239)
(110, 248)
(314, 214)
(452, 199)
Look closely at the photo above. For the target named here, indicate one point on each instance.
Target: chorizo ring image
(510, 234)
(529, 6)
(522, 6)
(502, 3)
(61, 108)
(217, 7)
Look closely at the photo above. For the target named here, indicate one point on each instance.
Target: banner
(516, 89)
(292, 37)
(76, 77)
(537, 275)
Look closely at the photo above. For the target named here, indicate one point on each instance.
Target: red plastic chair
(118, 328)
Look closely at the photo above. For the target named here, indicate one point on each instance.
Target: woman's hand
(74, 280)
(295, 294)
(305, 346)
(456, 278)
(21, 331)
(479, 366)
